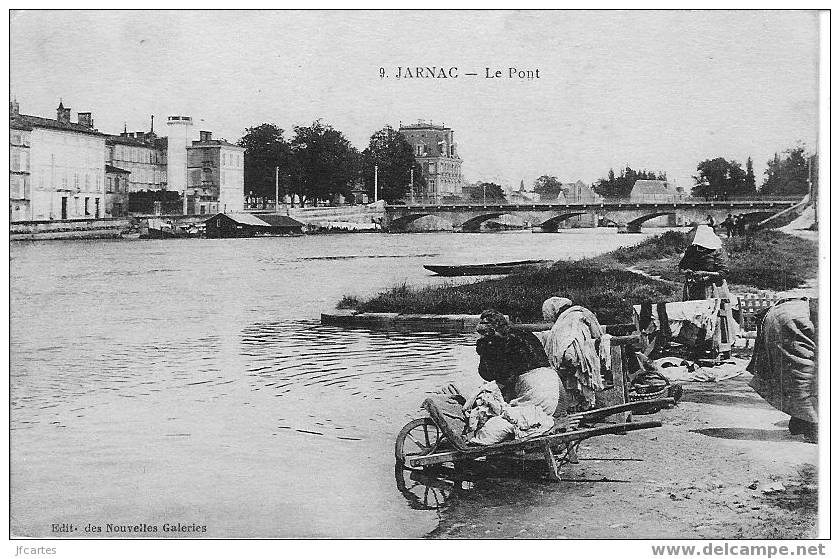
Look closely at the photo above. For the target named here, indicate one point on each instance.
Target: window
(15, 187)
(87, 205)
(76, 181)
(16, 138)
(418, 149)
(109, 183)
(224, 159)
(98, 183)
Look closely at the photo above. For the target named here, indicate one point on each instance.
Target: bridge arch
(474, 224)
(402, 222)
(635, 226)
(553, 223)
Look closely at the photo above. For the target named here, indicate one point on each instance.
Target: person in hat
(704, 263)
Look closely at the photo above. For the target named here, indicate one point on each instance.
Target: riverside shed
(249, 225)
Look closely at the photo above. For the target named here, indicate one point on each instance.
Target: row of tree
(788, 174)
(318, 162)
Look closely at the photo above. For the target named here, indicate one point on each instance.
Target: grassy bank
(767, 260)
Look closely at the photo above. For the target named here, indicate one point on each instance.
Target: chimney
(205, 135)
(86, 119)
(14, 108)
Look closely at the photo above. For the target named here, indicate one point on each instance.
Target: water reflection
(429, 490)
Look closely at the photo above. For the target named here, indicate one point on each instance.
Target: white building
(66, 166)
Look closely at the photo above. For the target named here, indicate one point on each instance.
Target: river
(190, 381)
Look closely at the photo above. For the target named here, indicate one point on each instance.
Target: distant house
(117, 185)
(249, 225)
(580, 193)
(655, 191)
(522, 196)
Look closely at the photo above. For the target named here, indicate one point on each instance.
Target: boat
(494, 269)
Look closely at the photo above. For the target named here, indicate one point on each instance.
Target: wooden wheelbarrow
(430, 441)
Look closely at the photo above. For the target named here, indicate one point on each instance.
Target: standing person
(784, 363)
(576, 346)
(729, 225)
(704, 263)
(710, 221)
(741, 225)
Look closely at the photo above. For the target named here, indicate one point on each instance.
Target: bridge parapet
(620, 212)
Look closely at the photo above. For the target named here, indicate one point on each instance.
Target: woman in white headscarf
(705, 264)
(576, 345)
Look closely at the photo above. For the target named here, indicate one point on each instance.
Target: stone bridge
(626, 216)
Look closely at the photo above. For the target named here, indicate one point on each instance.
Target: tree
(622, 185)
(489, 191)
(325, 163)
(265, 149)
(749, 185)
(390, 151)
(789, 174)
(548, 187)
(719, 178)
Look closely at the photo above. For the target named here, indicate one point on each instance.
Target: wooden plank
(537, 442)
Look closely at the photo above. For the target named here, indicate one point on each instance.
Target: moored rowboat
(497, 268)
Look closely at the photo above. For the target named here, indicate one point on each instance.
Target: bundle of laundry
(491, 420)
(688, 322)
(675, 369)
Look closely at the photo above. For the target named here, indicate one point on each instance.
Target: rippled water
(191, 381)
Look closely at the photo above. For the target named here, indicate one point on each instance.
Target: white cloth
(538, 387)
(491, 420)
(703, 313)
(572, 349)
(681, 370)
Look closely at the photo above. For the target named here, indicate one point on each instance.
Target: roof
(280, 220)
(651, 190)
(112, 169)
(117, 139)
(213, 143)
(423, 126)
(41, 122)
(264, 220)
(18, 123)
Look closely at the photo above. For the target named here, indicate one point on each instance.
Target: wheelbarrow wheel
(418, 438)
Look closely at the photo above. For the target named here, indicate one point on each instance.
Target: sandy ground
(711, 471)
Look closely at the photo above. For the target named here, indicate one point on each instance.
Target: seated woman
(517, 363)
(705, 264)
(576, 345)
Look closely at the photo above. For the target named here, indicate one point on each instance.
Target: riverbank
(609, 284)
(722, 466)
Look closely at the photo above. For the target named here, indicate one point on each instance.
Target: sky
(659, 90)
